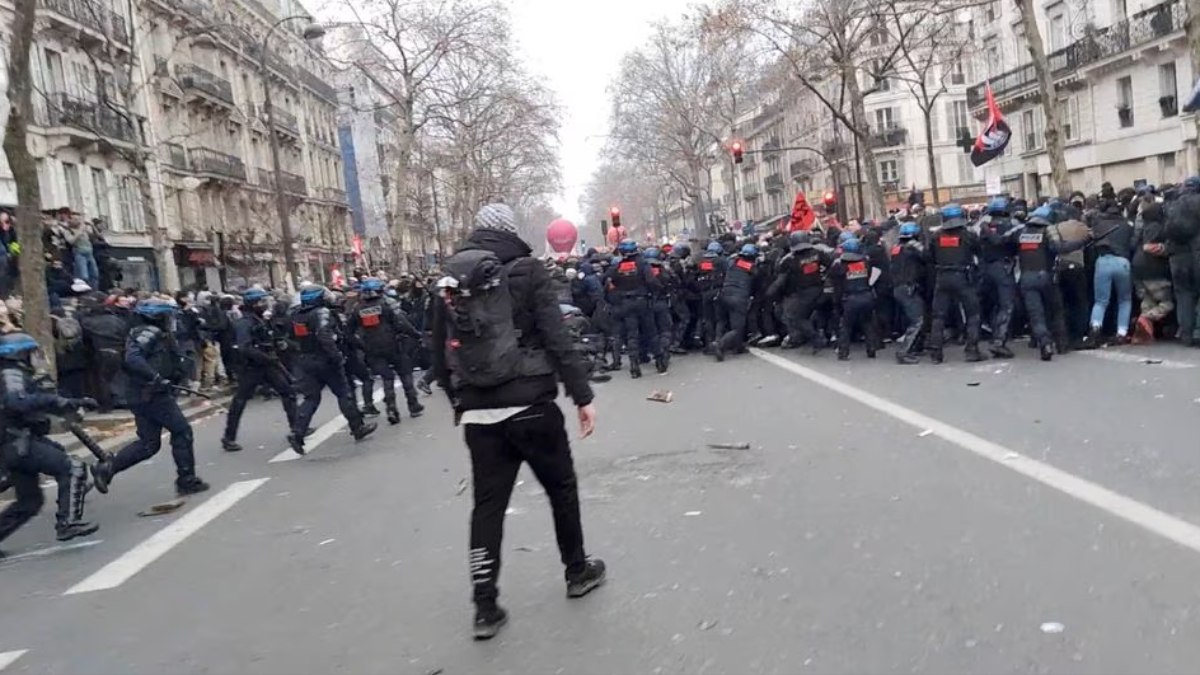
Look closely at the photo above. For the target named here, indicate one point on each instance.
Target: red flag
(802, 215)
(995, 136)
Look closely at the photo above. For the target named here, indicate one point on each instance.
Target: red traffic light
(615, 211)
(736, 149)
(830, 199)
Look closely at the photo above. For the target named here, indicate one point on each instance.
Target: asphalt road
(969, 518)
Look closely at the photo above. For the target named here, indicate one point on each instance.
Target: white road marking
(322, 434)
(1131, 357)
(1180, 531)
(7, 658)
(139, 557)
(49, 550)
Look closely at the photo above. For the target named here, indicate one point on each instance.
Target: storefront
(245, 268)
(198, 266)
(136, 267)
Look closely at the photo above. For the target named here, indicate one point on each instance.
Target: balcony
(773, 183)
(749, 163)
(175, 157)
(803, 167)
(332, 194)
(292, 184)
(771, 147)
(889, 138)
(200, 84)
(1153, 24)
(217, 164)
(318, 86)
(89, 119)
(751, 192)
(89, 15)
(285, 121)
(835, 148)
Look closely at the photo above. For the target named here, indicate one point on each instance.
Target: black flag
(995, 136)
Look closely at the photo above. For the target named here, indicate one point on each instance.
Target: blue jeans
(1113, 269)
(86, 269)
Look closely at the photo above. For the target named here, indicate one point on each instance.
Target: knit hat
(497, 217)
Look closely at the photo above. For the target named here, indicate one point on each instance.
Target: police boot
(635, 368)
(1000, 351)
(661, 364)
(1094, 339)
(393, 415)
(364, 429)
(906, 359)
(843, 354)
(190, 485)
(415, 409)
(68, 531)
(369, 409)
(296, 441)
(718, 350)
(1046, 351)
(973, 355)
(936, 355)
(230, 445)
(102, 475)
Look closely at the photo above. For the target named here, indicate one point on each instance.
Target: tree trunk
(1193, 38)
(32, 263)
(157, 240)
(875, 205)
(929, 156)
(403, 168)
(1054, 145)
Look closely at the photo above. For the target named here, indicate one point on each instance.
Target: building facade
(1121, 72)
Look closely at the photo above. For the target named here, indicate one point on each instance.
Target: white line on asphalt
(1147, 517)
(1130, 357)
(322, 434)
(48, 551)
(139, 557)
(7, 658)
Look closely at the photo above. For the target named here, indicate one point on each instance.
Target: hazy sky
(577, 46)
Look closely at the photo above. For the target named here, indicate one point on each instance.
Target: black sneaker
(102, 475)
(297, 443)
(229, 445)
(370, 410)
(974, 356)
(843, 356)
(1001, 352)
(591, 578)
(425, 388)
(936, 356)
(488, 621)
(719, 351)
(68, 531)
(907, 359)
(635, 371)
(1047, 352)
(363, 431)
(189, 486)
(310, 431)
(393, 416)
(416, 410)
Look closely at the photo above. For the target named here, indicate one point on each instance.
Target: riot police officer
(257, 348)
(380, 326)
(686, 303)
(709, 278)
(952, 252)
(908, 276)
(800, 281)
(631, 282)
(741, 279)
(851, 274)
(355, 359)
(320, 364)
(154, 362)
(661, 299)
(1037, 250)
(27, 453)
(998, 286)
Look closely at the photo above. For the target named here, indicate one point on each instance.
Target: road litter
(660, 396)
(1010, 456)
(160, 509)
(1152, 362)
(327, 541)
(462, 487)
(925, 433)
(526, 549)
(741, 445)
(692, 513)
(972, 384)
(1053, 627)
(708, 624)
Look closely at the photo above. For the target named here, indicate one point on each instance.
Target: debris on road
(327, 541)
(1053, 627)
(741, 445)
(160, 509)
(660, 396)
(973, 384)
(708, 624)
(925, 433)
(1010, 456)
(526, 549)
(1152, 362)
(692, 513)
(462, 487)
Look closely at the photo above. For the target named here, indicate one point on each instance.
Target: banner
(995, 136)
(802, 215)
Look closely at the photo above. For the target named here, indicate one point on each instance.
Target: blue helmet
(845, 236)
(155, 307)
(910, 230)
(714, 247)
(371, 285)
(17, 346)
(851, 245)
(254, 295)
(681, 251)
(627, 246)
(749, 251)
(312, 296)
(997, 206)
(951, 211)
(651, 253)
(1042, 215)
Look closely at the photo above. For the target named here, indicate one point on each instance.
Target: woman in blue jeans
(1113, 238)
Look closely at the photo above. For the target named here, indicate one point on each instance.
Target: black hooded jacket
(536, 316)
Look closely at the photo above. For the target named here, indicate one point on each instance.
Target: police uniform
(709, 276)
(257, 349)
(998, 286)
(800, 280)
(740, 282)
(1037, 252)
(851, 275)
(382, 328)
(908, 276)
(952, 252)
(630, 283)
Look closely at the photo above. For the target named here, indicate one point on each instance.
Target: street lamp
(311, 32)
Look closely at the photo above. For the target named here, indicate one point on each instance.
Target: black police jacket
(317, 332)
(152, 357)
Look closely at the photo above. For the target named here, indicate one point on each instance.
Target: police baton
(73, 419)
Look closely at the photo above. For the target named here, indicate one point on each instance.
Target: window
(1125, 102)
(991, 49)
(966, 170)
(54, 72)
(1033, 123)
(960, 119)
(1068, 109)
(880, 81)
(1058, 32)
(878, 36)
(990, 12)
(100, 192)
(130, 206)
(885, 118)
(1168, 97)
(1120, 10)
(74, 193)
(957, 74)
(888, 172)
(1020, 43)
(83, 85)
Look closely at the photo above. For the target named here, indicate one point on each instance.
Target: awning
(196, 254)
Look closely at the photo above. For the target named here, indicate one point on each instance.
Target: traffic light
(737, 150)
(830, 200)
(615, 212)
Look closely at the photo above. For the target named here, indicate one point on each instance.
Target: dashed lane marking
(139, 557)
(1180, 531)
(1140, 359)
(8, 658)
(322, 434)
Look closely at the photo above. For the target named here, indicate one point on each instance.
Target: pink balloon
(562, 235)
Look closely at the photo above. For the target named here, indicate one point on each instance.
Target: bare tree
(628, 187)
(1059, 174)
(35, 301)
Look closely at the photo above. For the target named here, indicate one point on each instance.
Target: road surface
(997, 517)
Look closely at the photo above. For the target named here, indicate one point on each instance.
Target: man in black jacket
(517, 420)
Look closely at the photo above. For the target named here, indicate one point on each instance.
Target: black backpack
(483, 346)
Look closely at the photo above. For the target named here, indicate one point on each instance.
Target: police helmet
(18, 347)
(800, 241)
(681, 251)
(1042, 215)
(372, 287)
(627, 246)
(254, 295)
(998, 206)
(851, 245)
(845, 236)
(910, 230)
(749, 251)
(651, 253)
(154, 308)
(714, 247)
(953, 216)
(312, 296)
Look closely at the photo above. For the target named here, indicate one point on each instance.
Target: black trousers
(954, 287)
(388, 366)
(1076, 301)
(858, 313)
(1044, 306)
(108, 365)
(999, 290)
(708, 319)
(43, 456)
(664, 325)
(797, 314)
(314, 374)
(538, 436)
(912, 306)
(356, 369)
(150, 417)
(731, 322)
(249, 380)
